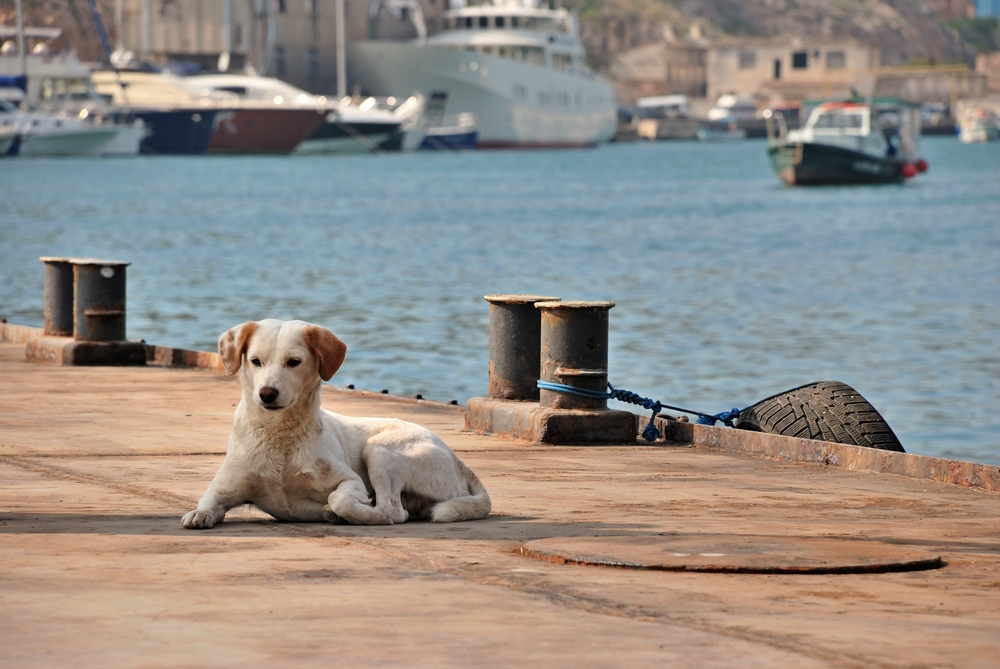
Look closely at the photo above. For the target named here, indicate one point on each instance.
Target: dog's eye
(255, 362)
(293, 362)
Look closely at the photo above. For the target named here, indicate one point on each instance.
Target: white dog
(298, 462)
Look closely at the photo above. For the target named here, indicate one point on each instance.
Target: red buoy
(921, 165)
(909, 171)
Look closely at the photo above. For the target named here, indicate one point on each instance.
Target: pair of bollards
(536, 338)
(85, 299)
(541, 338)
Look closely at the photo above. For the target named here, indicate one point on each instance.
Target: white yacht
(67, 117)
(55, 134)
(520, 68)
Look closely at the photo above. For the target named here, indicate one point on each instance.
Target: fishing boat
(518, 67)
(847, 142)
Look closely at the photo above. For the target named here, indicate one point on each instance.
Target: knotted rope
(650, 432)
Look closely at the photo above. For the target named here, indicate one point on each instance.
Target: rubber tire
(824, 410)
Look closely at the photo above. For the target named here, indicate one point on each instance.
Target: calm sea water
(729, 286)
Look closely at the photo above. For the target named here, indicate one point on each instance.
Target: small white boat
(979, 125)
(55, 85)
(49, 134)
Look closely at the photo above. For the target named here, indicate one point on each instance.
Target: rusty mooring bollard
(574, 351)
(515, 342)
(58, 296)
(99, 300)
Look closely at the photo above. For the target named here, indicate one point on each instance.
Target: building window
(748, 60)
(282, 6)
(800, 60)
(835, 60)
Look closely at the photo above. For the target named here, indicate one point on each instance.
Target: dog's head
(278, 361)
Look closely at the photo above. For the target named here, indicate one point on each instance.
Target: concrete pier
(97, 465)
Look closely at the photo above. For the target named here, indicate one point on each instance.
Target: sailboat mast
(20, 39)
(341, 51)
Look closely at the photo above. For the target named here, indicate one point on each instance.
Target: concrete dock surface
(97, 465)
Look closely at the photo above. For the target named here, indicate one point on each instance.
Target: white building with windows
(778, 72)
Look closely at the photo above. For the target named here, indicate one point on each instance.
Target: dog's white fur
(298, 462)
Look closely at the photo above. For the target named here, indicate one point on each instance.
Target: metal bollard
(99, 300)
(515, 336)
(58, 296)
(574, 351)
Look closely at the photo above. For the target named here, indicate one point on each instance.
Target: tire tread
(824, 410)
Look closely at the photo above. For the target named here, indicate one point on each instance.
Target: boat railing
(777, 128)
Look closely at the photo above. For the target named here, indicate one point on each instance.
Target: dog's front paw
(198, 520)
(330, 517)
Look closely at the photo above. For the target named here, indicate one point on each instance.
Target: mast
(341, 52)
(20, 41)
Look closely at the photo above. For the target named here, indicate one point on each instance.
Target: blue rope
(650, 432)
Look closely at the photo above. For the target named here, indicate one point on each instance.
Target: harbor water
(729, 286)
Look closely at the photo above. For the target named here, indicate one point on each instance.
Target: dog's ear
(233, 345)
(329, 351)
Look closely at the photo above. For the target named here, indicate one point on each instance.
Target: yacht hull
(81, 142)
(516, 104)
(262, 131)
(349, 137)
(176, 131)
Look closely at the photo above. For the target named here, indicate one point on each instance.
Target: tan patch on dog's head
(233, 345)
(328, 349)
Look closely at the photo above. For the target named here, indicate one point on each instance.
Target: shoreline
(773, 447)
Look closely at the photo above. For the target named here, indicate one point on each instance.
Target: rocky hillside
(909, 31)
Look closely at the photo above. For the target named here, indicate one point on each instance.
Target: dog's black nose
(268, 395)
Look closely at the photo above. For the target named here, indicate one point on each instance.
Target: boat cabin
(880, 127)
(515, 30)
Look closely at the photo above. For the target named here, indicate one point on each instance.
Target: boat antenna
(99, 25)
(106, 45)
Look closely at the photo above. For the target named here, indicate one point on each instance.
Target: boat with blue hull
(176, 131)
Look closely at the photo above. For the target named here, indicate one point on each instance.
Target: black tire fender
(824, 410)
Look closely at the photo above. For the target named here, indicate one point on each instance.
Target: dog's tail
(471, 506)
